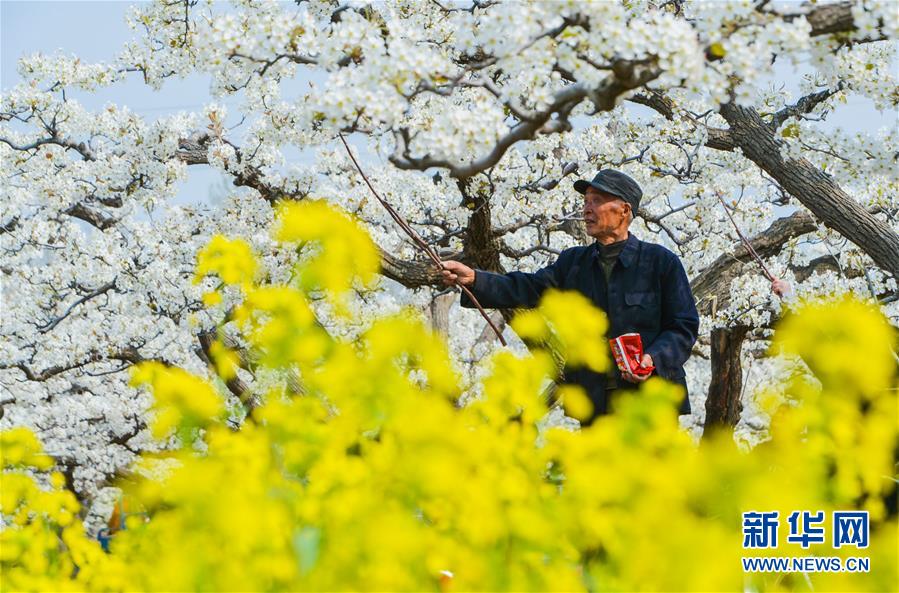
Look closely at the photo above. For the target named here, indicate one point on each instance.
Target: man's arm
(501, 291)
(680, 321)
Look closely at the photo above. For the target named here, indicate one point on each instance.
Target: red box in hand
(628, 351)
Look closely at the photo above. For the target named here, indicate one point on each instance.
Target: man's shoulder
(576, 250)
(657, 250)
(576, 253)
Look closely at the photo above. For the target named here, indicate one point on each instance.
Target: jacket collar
(628, 253)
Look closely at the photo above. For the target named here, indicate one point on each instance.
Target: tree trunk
(723, 405)
(438, 312)
(481, 247)
(816, 190)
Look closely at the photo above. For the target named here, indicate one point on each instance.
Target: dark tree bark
(235, 385)
(409, 273)
(481, 246)
(723, 405)
(830, 18)
(816, 190)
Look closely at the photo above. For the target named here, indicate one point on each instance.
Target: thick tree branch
(720, 139)
(235, 384)
(804, 105)
(656, 101)
(711, 287)
(93, 217)
(625, 76)
(80, 147)
(825, 263)
(94, 293)
(409, 273)
(816, 190)
(828, 19)
(129, 355)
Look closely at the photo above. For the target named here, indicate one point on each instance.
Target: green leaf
(790, 131)
(306, 545)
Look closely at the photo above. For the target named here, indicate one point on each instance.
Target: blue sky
(95, 31)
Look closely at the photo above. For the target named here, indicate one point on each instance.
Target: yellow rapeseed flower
(369, 476)
(343, 251)
(232, 260)
(181, 399)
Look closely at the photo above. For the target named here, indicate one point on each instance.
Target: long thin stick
(746, 243)
(418, 241)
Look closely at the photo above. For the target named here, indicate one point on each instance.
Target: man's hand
(781, 288)
(457, 273)
(645, 362)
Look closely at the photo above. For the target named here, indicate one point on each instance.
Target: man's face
(604, 214)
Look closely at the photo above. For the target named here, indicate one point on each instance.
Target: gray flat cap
(615, 183)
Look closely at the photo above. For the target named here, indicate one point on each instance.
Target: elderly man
(642, 287)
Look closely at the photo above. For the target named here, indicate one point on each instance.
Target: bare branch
(266, 64)
(94, 293)
(516, 253)
(511, 228)
(80, 147)
(90, 216)
(475, 5)
(804, 105)
(129, 354)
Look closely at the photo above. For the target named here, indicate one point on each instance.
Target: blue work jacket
(647, 293)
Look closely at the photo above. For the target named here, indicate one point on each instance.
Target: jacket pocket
(642, 311)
